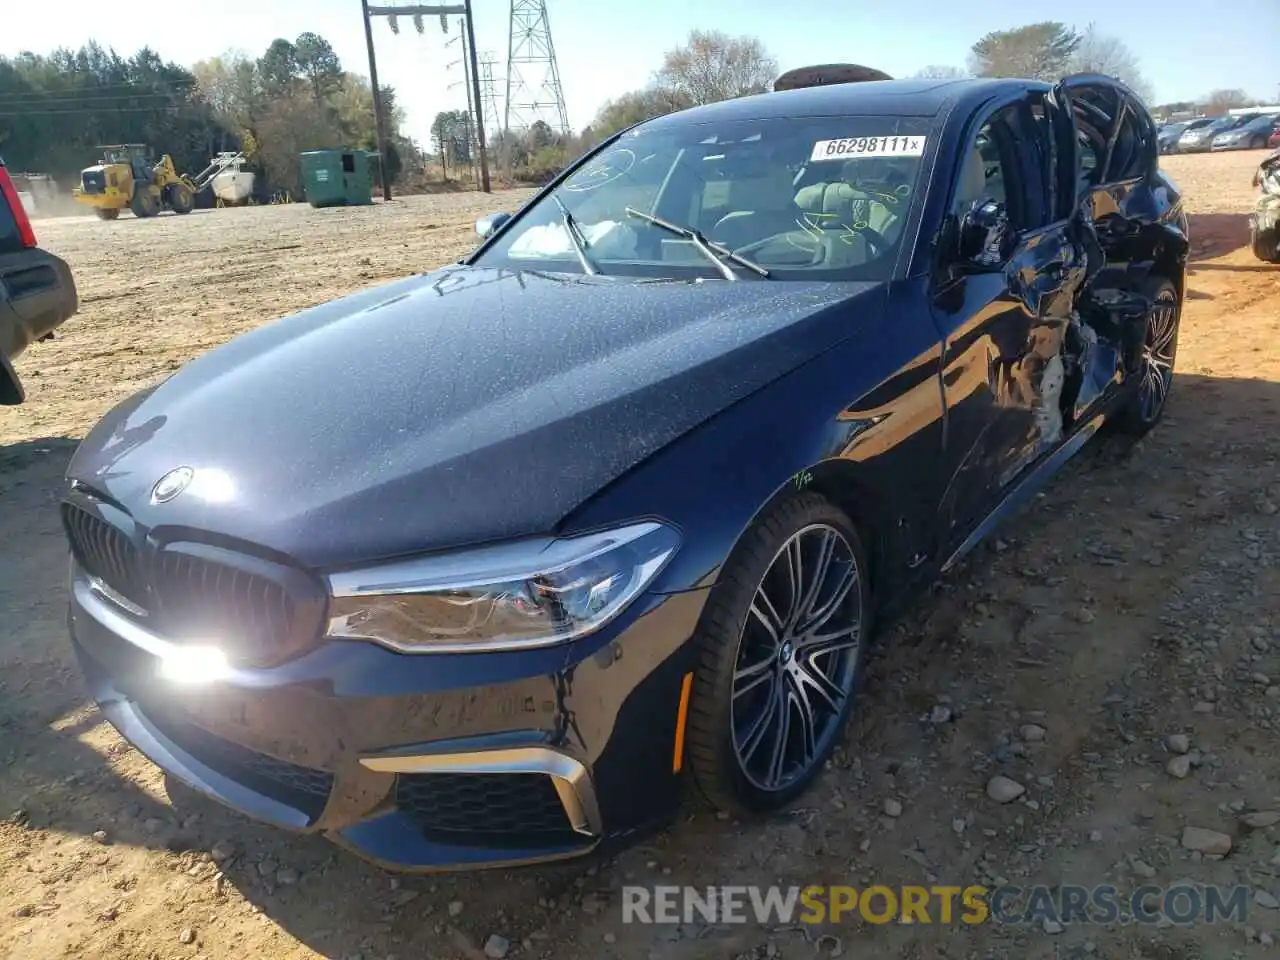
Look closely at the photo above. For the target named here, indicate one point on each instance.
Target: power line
(107, 111)
(103, 103)
(93, 92)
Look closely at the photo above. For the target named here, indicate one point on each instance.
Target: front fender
(823, 427)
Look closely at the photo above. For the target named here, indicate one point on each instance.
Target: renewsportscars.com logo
(970, 905)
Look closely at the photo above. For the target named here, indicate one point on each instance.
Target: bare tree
(941, 72)
(1219, 102)
(1101, 53)
(635, 106)
(1038, 51)
(713, 66)
(229, 84)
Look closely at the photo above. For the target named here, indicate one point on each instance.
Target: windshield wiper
(712, 251)
(576, 238)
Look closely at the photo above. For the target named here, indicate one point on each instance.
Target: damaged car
(1264, 222)
(488, 565)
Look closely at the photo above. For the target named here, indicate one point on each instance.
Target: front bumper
(421, 762)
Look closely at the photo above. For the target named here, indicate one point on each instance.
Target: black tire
(730, 627)
(1265, 244)
(144, 204)
(1159, 352)
(180, 198)
(107, 213)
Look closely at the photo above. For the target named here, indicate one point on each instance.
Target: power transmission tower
(474, 120)
(533, 79)
(490, 116)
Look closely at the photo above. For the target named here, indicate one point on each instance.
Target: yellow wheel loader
(127, 178)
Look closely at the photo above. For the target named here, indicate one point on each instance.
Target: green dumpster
(336, 178)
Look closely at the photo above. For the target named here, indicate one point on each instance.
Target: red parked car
(37, 291)
(1275, 138)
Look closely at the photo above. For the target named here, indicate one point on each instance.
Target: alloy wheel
(1157, 355)
(797, 658)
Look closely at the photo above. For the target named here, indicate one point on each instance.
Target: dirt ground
(1139, 599)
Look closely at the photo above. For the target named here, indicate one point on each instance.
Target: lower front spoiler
(383, 833)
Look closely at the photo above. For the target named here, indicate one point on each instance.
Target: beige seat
(761, 207)
(840, 203)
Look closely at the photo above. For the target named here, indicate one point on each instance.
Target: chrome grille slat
(193, 598)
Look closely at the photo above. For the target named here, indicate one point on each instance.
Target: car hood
(462, 406)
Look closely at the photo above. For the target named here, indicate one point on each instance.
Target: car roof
(901, 98)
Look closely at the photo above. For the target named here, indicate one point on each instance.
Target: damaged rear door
(1125, 224)
(1008, 276)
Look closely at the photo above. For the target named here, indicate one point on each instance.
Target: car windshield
(817, 198)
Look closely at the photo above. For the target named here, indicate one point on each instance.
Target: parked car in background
(1168, 135)
(1251, 135)
(1274, 140)
(489, 565)
(1200, 140)
(37, 292)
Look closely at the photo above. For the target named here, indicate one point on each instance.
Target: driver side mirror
(488, 226)
(985, 237)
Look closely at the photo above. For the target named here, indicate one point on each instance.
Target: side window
(1131, 156)
(994, 165)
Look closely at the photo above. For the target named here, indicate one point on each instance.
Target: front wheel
(144, 204)
(1265, 242)
(1159, 348)
(782, 644)
(181, 199)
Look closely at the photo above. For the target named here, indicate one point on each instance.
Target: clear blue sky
(606, 47)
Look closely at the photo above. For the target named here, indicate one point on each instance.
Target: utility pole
(379, 121)
(466, 85)
(417, 11)
(474, 96)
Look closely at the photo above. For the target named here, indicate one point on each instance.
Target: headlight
(531, 593)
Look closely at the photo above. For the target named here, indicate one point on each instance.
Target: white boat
(233, 185)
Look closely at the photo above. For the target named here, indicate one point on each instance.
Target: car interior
(762, 203)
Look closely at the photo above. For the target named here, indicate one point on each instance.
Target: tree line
(711, 66)
(57, 109)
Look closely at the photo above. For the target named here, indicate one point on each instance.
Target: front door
(1003, 316)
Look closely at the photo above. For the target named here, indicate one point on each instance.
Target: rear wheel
(181, 199)
(1266, 244)
(782, 644)
(1159, 348)
(144, 203)
(107, 213)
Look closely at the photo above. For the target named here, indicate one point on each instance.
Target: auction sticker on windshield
(853, 147)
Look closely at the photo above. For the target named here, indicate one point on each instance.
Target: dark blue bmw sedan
(484, 566)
